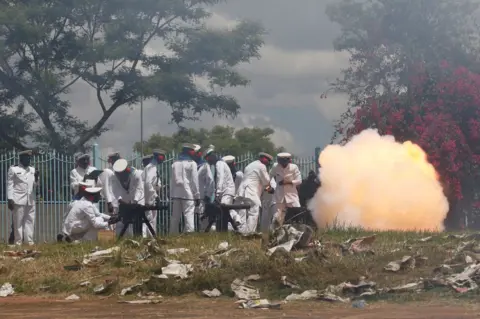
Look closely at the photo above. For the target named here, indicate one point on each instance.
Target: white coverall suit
(105, 181)
(223, 187)
(84, 220)
(151, 186)
(255, 179)
(184, 190)
(286, 195)
(21, 189)
(134, 193)
(268, 208)
(204, 181)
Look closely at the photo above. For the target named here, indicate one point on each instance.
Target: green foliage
(387, 38)
(49, 46)
(225, 139)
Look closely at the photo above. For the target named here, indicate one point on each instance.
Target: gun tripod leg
(149, 226)
(124, 229)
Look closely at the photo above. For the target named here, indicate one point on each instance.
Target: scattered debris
(6, 290)
(288, 237)
(140, 302)
(359, 304)
(212, 293)
(131, 243)
(288, 283)
(73, 297)
(407, 262)
(359, 245)
(177, 270)
(85, 283)
(131, 289)
(176, 251)
(244, 291)
(106, 287)
(306, 295)
(259, 304)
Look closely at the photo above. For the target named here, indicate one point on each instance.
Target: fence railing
(53, 194)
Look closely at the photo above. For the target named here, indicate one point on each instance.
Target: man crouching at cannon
(126, 185)
(83, 220)
(220, 187)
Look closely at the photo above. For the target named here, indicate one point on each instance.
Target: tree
(386, 39)
(47, 46)
(225, 138)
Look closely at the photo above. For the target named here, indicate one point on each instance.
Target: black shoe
(60, 238)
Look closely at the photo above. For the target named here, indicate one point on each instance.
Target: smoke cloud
(377, 183)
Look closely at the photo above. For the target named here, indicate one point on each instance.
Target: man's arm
(194, 181)
(220, 177)
(264, 176)
(74, 181)
(10, 176)
(138, 193)
(97, 223)
(297, 176)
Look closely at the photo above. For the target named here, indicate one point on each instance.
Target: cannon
(134, 214)
(219, 213)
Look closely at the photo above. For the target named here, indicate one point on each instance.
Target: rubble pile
(289, 245)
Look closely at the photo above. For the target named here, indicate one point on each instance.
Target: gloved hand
(11, 204)
(206, 200)
(197, 202)
(110, 207)
(113, 220)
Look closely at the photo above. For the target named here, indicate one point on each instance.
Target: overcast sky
(286, 83)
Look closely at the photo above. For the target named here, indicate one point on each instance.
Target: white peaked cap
(270, 157)
(147, 157)
(88, 183)
(93, 190)
(120, 165)
(210, 149)
(284, 155)
(191, 146)
(228, 159)
(26, 152)
(82, 156)
(112, 154)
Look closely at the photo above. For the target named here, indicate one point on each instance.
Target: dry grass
(46, 276)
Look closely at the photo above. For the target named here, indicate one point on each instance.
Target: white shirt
(82, 216)
(255, 178)
(224, 181)
(286, 193)
(21, 185)
(184, 180)
(151, 183)
(134, 191)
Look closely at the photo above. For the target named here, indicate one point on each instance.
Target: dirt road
(16, 308)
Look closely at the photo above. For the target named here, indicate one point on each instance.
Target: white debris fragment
(73, 297)
(258, 304)
(6, 290)
(212, 293)
(244, 291)
(176, 251)
(177, 270)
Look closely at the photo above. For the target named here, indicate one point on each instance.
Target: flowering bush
(440, 111)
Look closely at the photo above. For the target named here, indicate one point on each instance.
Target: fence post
(95, 155)
(317, 155)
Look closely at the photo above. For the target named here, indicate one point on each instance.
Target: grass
(45, 274)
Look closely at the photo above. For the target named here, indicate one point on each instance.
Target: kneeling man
(83, 221)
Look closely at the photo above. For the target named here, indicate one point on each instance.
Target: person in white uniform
(221, 186)
(105, 179)
(287, 177)
(82, 169)
(204, 181)
(184, 189)
(22, 180)
(126, 185)
(255, 180)
(152, 184)
(84, 220)
(268, 206)
(237, 176)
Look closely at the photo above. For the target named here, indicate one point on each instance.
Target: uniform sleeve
(297, 176)
(139, 193)
(107, 189)
(177, 174)
(194, 181)
(220, 177)
(74, 182)
(10, 176)
(97, 223)
(150, 179)
(264, 176)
